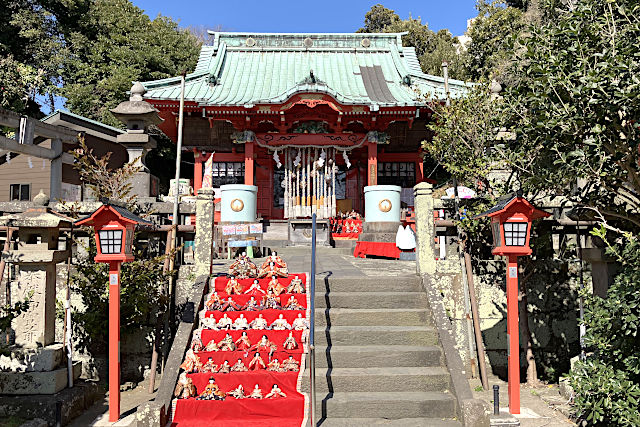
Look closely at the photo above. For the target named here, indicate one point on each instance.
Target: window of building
(397, 173)
(227, 173)
(20, 192)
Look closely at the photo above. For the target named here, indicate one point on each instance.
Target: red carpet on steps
(286, 411)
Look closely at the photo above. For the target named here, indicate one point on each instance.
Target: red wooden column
(419, 167)
(248, 163)
(114, 341)
(513, 335)
(197, 170)
(372, 163)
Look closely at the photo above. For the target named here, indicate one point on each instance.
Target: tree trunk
(532, 372)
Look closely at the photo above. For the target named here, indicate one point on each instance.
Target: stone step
(356, 356)
(378, 379)
(377, 335)
(389, 405)
(371, 300)
(372, 316)
(401, 422)
(368, 284)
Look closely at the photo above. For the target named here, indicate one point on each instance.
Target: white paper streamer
(346, 159)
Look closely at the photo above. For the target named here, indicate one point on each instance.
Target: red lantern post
(511, 228)
(114, 226)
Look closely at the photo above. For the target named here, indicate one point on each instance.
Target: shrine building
(267, 106)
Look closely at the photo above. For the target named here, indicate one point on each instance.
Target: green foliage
(493, 34)
(31, 51)
(431, 48)
(114, 44)
(88, 51)
(141, 298)
(607, 384)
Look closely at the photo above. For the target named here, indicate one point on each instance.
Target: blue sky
(315, 16)
(312, 16)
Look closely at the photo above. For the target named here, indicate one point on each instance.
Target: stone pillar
(204, 231)
(36, 327)
(425, 229)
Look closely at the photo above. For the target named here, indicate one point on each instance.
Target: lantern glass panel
(495, 230)
(127, 242)
(110, 241)
(515, 233)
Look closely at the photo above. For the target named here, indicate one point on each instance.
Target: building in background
(23, 176)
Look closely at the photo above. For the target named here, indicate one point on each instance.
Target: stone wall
(552, 297)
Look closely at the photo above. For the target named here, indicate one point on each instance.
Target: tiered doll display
(251, 337)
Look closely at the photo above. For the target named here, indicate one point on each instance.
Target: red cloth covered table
(384, 249)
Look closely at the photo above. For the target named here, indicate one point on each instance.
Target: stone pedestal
(379, 231)
(203, 251)
(425, 228)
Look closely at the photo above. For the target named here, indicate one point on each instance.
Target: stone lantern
(138, 115)
(35, 362)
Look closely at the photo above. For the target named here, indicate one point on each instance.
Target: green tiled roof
(244, 69)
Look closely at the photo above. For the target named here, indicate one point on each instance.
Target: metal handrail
(312, 349)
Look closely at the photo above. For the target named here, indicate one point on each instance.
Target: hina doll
(256, 393)
(209, 367)
(209, 322)
(239, 366)
(275, 393)
(259, 323)
(191, 362)
(185, 388)
(243, 342)
(251, 305)
(274, 258)
(275, 287)
(257, 363)
(233, 286)
(230, 305)
(211, 346)
(280, 324)
(270, 301)
(226, 344)
(264, 345)
(290, 343)
(243, 268)
(241, 323)
(196, 341)
(254, 289)
(214, 302)
(299, 323)
(211, 391)
(225, 322)
(290, 365)
(292, 304)
(225, 368)
(274, 366)
(296, 286)
(272, 270)
(237, 393)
